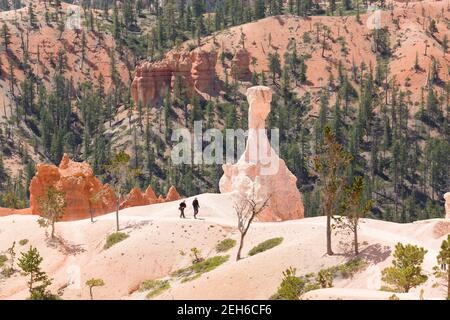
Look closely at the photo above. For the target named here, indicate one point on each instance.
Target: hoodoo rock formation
(260, 170)
(85, 194)
(195, 70)
(134, 199)
(447, 205)
(203, 71)
(172, 195)
(151, 195)
(82, 189)
(137, 198)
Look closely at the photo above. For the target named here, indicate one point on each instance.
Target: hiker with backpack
(181, 208)
(196, 206)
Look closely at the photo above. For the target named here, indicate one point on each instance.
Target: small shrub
(91, 283)
(306, 37)
(156, 287)
(115, 238)
(151, 284)
(7, 272)
(43, 295)
(23, 242)
(293, 287)
(194, 277)
(192, 46)
(394, 297)
(266, 245)
(199, 268)
(351, 267)
(3, 259)
(225, 245)
(325, 277)
(209, 264)
(196, 255)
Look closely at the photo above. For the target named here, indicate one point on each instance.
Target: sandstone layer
(194, 71)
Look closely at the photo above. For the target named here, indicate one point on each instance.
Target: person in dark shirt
(181, 208)
(196, 206)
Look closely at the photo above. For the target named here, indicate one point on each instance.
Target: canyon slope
(348, 44)
(159, 243)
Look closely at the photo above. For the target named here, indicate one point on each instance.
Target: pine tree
(30, 263)
(91, 283)
(259, 9)
(128, 13)
(416, 63)
(6, 36)
(442, 269)
(31, 15)
(330, 163)
(347, 4)
(274, 65)
(51, 208)
(353, 209)
(83, 48)
(445, 44)
(119, 172)
(406, 271)
(116, 22)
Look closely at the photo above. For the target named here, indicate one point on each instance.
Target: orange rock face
(151, 195)
(136, 198)
(203, 70)
(7, 212)
(172, 195)
(84, 192)
(195, 70)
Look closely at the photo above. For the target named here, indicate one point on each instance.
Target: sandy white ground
(159, 244)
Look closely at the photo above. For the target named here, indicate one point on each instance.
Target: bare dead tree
(247, 208)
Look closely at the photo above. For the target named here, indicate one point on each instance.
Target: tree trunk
(53, 229)
(356, 241)
(92, 215)
(241, 244)
(117, 217)
(30, 285)
(448, 282)
(117, 213)
(90, 292)
(329, 250)
(323, 48)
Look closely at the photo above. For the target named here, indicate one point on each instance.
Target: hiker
(181, 208)
(196, 207)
